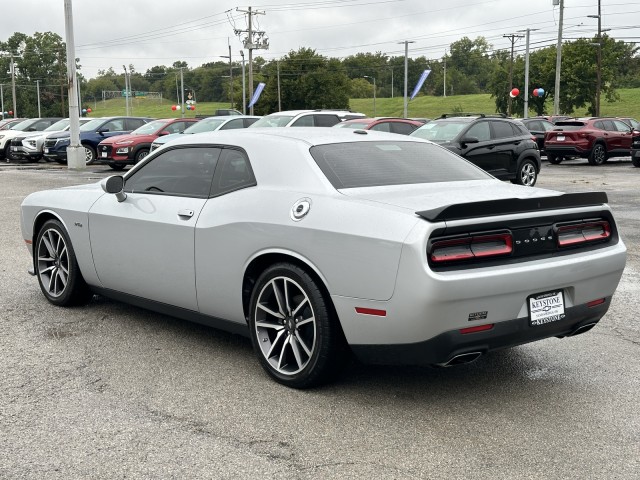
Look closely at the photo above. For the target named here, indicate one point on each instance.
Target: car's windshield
(372, 164)
(22, 126)
(362, 125)
(150, 128)
(59, 125)
(569, 125)
(273, 121)
(440, 131)
(93, 125)
(206, 125)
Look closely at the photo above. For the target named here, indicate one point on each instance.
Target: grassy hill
(628, 106)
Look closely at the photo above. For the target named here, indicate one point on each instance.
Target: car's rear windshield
(273, 121)
(372, 164)
(440, 131)
(362, 125)
(569, 125)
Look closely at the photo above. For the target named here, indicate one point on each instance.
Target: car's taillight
(585, 133)
(478, 246)
(587, 232)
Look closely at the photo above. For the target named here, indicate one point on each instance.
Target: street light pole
(556, 93)
(244, 95)
(13, 87)
(38, 89)
(76, 156)
(599, 58)
(406, 72)
(374, 93)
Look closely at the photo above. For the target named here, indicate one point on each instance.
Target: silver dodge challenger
(323, 243)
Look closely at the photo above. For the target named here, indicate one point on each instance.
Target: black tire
(7, 153)
(143, 152)
(635, 161)
(554, 159)
(294, 331)
(61, 161)
(117, 167)
(598, 154)
(56, 267)
(527, 174)
(89, 155)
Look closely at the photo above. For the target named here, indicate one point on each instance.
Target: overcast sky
(153, 32)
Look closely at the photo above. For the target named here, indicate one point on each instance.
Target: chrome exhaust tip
(583, 329)
(461, 359)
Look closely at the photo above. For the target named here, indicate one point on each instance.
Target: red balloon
(515, 92)
(89, 110)
(173, 107)
(535, 92)
(10, 112)
(193, 107)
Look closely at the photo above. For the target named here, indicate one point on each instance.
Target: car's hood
(57, 135)
(436, 195)
(129, 139)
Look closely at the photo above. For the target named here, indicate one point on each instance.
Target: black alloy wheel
(598, 154)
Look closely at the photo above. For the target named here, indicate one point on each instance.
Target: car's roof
(308, 135)
(293, 113)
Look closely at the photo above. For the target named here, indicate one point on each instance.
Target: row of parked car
(507, 148)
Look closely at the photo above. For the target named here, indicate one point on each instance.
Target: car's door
(144, 245)
(624, 135)
(506, 144)
(482, 152)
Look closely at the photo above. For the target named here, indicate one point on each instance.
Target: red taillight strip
(371, 311)
(580, 233)
(480, 246)
(478, 328)
(595, 303)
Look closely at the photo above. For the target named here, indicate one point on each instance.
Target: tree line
(309, 80)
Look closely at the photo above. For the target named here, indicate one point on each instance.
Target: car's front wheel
(89, 155)
(635, 161)
(527, 174)
(293, 328)
(598, 154)
(57, 268)
(141, 154)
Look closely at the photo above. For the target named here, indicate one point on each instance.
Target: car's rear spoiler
(508, 206)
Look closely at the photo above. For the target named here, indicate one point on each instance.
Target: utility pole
(599, 58)
(512, 38)
(556, 93)
(126, 91)
(444, 85)
(526, 73)
(244, 95)
(38, 89)
(182, 88)
(2, 99)
(230, 72)
(252, 44)
(406, 72)
(391, 82)
(279, 100)
(76, 155)
(13, 87)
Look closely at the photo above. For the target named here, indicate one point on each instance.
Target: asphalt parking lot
(113, 391)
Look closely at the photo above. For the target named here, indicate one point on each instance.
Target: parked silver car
(317, 242)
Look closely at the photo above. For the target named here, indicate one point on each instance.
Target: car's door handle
(491, 147)
(185, 212)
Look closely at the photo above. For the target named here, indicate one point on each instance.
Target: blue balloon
(84, 110)
(540, 92)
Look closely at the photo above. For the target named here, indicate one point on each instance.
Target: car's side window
(233, 124)
(304, 121)
(133, 123)
(547, 126)
(621, 126)
(535, 125)
(116, 125)
(609, 126)
(326, 120)
(233, 172)
(382, 127)
(502, 130)
(175, 127)
(249, 121)
(41, 125)
(402, 128)
(185, 172)
(480, 131)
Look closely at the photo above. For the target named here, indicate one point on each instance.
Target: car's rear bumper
(568, 150)
(448, 346)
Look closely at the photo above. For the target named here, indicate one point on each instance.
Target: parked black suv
(635, 148)
(499, 145)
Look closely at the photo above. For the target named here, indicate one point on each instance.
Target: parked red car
(131, 148)
(382, 124)
(596, 139)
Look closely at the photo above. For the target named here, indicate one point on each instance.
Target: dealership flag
(256, 95)
(423, 77)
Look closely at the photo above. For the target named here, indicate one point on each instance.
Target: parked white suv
(299, 118)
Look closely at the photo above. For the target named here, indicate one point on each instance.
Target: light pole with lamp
(599, 59)
(374, 92)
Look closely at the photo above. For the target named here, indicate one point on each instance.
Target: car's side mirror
(103, 130)
(114, 185)
(163, 133)
(466, 140)
(31, 129)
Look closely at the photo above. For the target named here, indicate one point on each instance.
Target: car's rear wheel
(116, 166)
(598, 154)
(293, 328)
(57, 268)
(141, 154)
(635, 161)
(554, 159)
(61, 161)
(89, 154)
(527, 174)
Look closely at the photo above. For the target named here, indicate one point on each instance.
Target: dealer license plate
(546, 308)
(46, 150)
(637, 154)
(14, 149)
(560, 138)
(104, 154)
